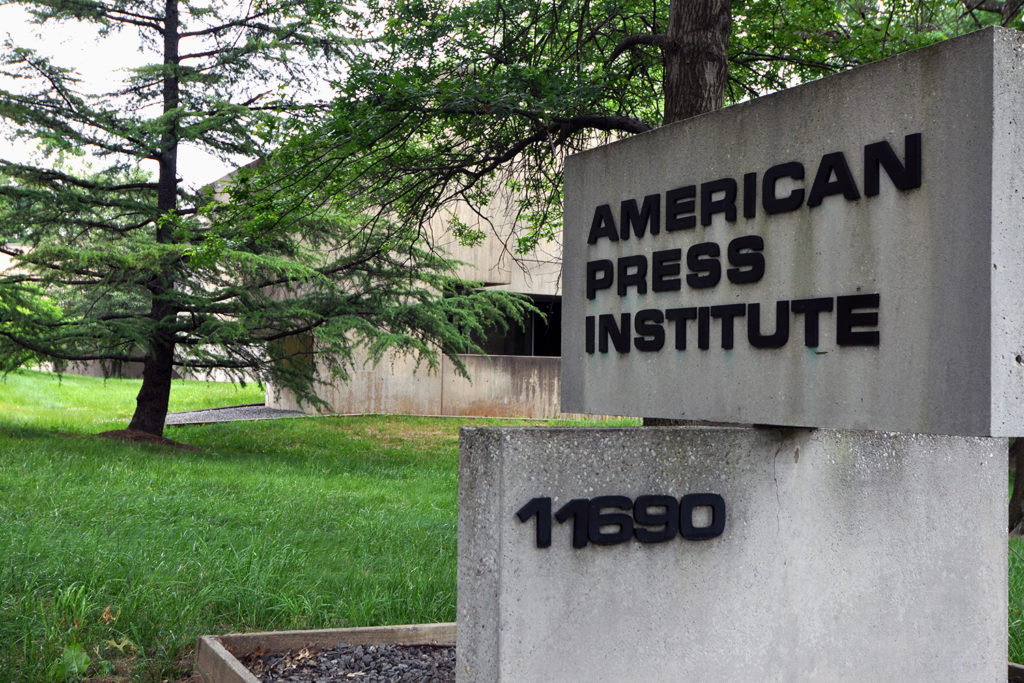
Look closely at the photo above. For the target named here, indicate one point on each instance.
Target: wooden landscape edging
(217, 657)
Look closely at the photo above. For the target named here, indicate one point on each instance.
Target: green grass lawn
(130, 552)
(124, 554)
(1016, 596)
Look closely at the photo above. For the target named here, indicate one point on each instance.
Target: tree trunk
(1017, 499)
(696, 57)
(151, 403)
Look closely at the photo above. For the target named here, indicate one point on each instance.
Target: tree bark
(1016, 511)
(151, 403)
(696, 57)
(157, 371)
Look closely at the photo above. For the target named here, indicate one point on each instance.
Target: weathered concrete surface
(492, 261)
(500, 386)
(503, 386)
(846, 556)
(945, 258)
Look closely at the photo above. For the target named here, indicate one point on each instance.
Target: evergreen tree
(120, 265)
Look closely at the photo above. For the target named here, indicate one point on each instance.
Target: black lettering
(599, 276)
(710, 206)
(603, 225)
(727, 313)
(679, 316)
(579, 510)
(747, 260)
(647, 324)
(824, 186)
(640, 219)
(665, 270)
(658, 511)
(749, 195)
(590, 334)
(905, 176)
(599, 521)
(702, 259)
(848, 318)
(694, 500)
(541, 508)
(810, 308)
(775, 340)
(703, 328)
(679, 207)
(773, 204)
(618, 333)
(628, 277)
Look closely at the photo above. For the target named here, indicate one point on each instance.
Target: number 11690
(608, 520)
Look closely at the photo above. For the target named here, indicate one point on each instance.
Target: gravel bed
(400, 663)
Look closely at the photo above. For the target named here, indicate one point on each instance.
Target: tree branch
(626, 124)
(632, 42)
(50, 353)
(220, 28)
(46, 174)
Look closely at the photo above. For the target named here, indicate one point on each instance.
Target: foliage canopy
(466, 101)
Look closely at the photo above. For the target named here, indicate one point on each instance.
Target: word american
(679, 208)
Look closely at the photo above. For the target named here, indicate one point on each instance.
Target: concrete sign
(846, 254)
(686, 554)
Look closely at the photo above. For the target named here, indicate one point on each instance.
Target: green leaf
(72, 665)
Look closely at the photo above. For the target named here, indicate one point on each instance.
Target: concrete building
(519, 376)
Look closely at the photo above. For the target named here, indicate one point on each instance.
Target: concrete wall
(6, 262)
(500, 386)
(846, 556)
(494, 260)
(503, 386)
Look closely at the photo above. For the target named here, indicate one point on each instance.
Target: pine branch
(47, 175)
(246, 22)
(49, 352)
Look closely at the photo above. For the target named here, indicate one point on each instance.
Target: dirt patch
(187, 674)
(132, 436)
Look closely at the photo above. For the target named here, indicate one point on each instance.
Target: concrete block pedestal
(858, 556)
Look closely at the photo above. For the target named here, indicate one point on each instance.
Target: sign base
(843, 555)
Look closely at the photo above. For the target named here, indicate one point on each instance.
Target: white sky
(99, 62)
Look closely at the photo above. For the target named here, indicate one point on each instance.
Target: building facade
(519, 376)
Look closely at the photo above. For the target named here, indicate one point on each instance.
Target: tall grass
(1016, 600)
(126, 553)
